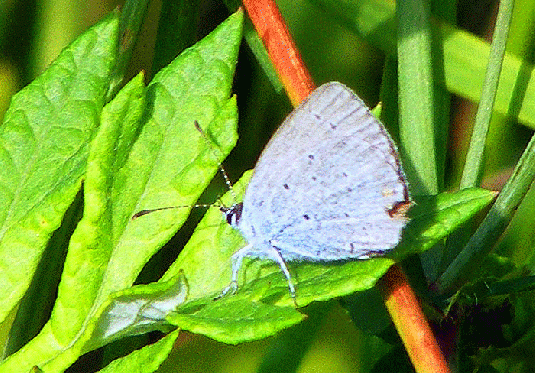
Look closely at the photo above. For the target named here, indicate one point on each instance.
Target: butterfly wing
(326, 184)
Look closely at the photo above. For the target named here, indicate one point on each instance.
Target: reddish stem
(282, 50)
(410, 322)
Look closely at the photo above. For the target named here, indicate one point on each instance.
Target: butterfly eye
(232, 213)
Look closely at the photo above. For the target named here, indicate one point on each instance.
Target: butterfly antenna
(145, 212)
(213, 146)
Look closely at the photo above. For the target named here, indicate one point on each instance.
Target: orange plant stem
(400, 300)
(284, 55)
(411, 323)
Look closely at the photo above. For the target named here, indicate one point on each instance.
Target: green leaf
(92, 243)
(144, 156)
(88, 247)
(146, 360)
(435, 217)
(235, 319)
(44, 144)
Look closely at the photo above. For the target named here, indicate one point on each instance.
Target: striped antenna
(145, 212)
(221, 169)
(219, 203)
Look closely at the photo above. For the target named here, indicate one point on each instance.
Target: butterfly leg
(275, 255)
(237, 260)
(250, 251)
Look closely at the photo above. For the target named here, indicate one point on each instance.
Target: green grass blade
(416, 106)
(474, 159)
(494, 224)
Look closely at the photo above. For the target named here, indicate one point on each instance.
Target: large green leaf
(44, 143)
